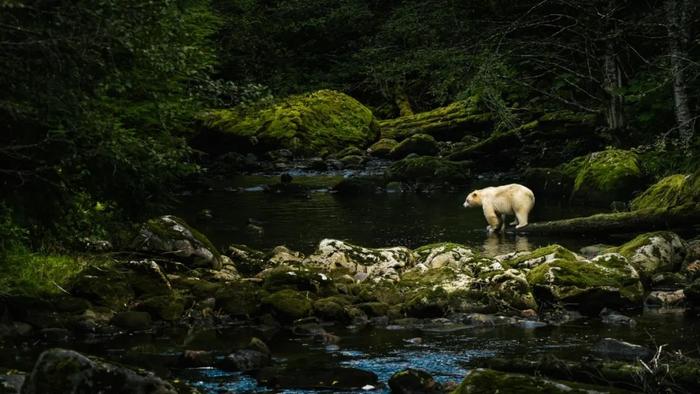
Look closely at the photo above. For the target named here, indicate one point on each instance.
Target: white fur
(499, 201)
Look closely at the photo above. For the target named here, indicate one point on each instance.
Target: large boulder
(429, 170)
(171, 236)
(377, 264)
(670, 191)
(288, 304)
(309, 124)
(654, 253)
(420, 144)
(444, 254)
(607, 280)
(65, 371)
(605, 176)
(382, 148)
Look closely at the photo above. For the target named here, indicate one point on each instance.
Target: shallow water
(375, 220)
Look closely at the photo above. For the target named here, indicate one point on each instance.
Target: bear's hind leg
(521, 219)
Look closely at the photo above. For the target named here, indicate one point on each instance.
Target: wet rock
(427, 303)
(428, 170)
(239, 299)
(107, 287)
(620, 350)
(616, 319)
(331, 309)
(244, 360)
(168, 307)
(484, 320)
(413, 381)
(386, 263)
(444, 254)
(297, 279)
(196, 359)
(374, 309)
(605, 281)
(382, 148)
(288, 304)
(254, 230)
(529, 260)
(281, 255)
(654, 253)
(666, 298)
(257, 344)
(59, 371)
(132, 320)
(353, 162)
(592, 251)
(247, 261)
(692, 292)
(173, 237)
(669, 281)
(420, 144)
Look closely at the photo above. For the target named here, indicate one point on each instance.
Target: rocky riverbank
(174, 277)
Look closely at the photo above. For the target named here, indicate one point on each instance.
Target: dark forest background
(98, 98)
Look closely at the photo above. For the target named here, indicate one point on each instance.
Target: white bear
(499, 201)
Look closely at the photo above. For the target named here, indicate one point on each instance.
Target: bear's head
(473, 199)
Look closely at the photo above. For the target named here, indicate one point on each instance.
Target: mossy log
(621, 222)
(445, 123)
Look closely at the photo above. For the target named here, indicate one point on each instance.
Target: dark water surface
(374, 220)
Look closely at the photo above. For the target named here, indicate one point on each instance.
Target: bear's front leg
(494, 223)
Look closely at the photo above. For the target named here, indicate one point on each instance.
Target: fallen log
(621, 222)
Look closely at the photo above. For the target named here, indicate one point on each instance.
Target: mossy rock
(428, 169)
(309, 124)
(133, 320)
(198, 287)
(669, 192)
(297, 279)
(482, 381)
(288, 305)
(420, 144)
(443, 254)
(411, 380)
(373, 309)
(349, 151)
(528, 260)
(654, 253)
(165, 307)
(172, 237)
(382, 148)
(608, 280)
(248, 261)
(106, 287)
(331, 309)
(607, 176)
(240, 299)
(511, 291)
(427, 303)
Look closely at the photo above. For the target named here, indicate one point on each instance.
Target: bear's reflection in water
(498, 243)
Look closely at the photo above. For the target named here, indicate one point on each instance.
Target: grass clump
(35, 274)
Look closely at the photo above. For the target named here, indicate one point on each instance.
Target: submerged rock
(172, 237)
(244, 360)
(59, 371)
(620, 350)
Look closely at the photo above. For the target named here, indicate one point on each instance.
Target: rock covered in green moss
(483, 381)
(420, 144)
(288, 304)
(59, 371)
(654, 253)
(528, 260)
(670, 191)
(377, 264)
(428, 169)
(172, 237)
(382, 148)
(312, 124)
(411, 381)
(248, 261)
(607, 280)
(240, 299)
(165, 307)
(607, 176)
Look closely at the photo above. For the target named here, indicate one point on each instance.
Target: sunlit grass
(34, 274)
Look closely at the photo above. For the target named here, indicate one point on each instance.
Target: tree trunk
(612, 77)
(678, 21)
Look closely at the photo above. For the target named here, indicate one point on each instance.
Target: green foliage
(97, 97)
(25, 273)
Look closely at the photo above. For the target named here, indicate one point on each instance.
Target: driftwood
(621, 222)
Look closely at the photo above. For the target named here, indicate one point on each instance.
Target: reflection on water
(497, 244)
(374, 220)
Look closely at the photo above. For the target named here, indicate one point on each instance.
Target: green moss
(428, 169)
(567, 116)
(315, 124)
(288, 304)
(427, 303)
(239, 299)
(383, 147)
(489, 381)
(607, 176)
(103, 286)
(670, 191)
(331, 309)
(420, 144)
(34, 274)
(165, 307)
(538, 256)
(167, 231)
